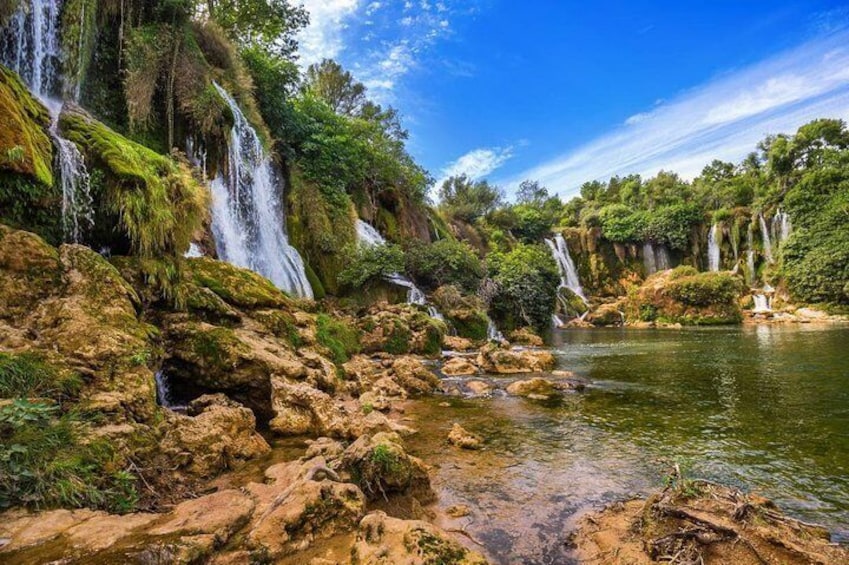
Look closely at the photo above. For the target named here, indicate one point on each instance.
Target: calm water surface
(763, 407)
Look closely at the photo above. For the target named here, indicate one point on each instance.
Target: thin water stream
(765, 408)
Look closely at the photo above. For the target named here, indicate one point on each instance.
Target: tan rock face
(400, 329)
(383, 540)
(460, 437)
(459, 366)
(526, 336)
(537, 387)
(218, 434)
(455, 343)
(493, 359)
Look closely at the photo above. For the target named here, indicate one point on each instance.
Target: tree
(331, 83)
(531, 192)
(469, 200)
(270, 24)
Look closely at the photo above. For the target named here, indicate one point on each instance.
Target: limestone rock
(538, 387)
(456, 343)
(459, 366)
(460, 437)
(388, 541)
(526, 336)
(217, 435)
(493, 359)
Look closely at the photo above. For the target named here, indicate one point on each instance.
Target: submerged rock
(464, 439)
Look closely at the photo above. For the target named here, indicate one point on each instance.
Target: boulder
(494, 359)
(459, 366)
(400, 329)
(460, 437)
(536, 387)
(526, 336)
(218, 434)
(457, 343)
(606, 315)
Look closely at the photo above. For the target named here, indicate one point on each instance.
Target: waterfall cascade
(781, 226)
(762, 304)
(248, 222)
(30, 47)
(367, 235)
(568, 273)
(714, 252)
(767, 241)
(163, 392)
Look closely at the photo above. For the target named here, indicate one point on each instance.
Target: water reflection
(766, 409)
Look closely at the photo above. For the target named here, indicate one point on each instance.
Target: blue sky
(565, 92)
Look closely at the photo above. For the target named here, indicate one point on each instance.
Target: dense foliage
(445, 262)
(525, 281)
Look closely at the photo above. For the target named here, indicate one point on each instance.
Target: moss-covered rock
(466, 314)
(236, 286)
(685, 296)
(150, 201)
(400, 328)
(28, 197)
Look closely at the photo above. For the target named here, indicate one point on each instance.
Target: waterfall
(248, 222)
(714, 253)
(194, 251)
(781, 226)
(492, 331)
(164, 397)
(649, 260)
(367, 235)
(750, 257)
(766, 239)
(661, 258)
(762, 304)
(30, 47)
(568, 273)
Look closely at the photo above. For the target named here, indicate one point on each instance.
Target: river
(765, 408)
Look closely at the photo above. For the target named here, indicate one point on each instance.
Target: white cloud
(724, 118)
(322, 39)
(477, 164)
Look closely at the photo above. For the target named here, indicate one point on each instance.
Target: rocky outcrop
(494, 359)
(687, 297)
(459, 366)
(400, 329)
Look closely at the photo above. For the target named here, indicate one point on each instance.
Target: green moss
(320, 225)
(79, 37)
(159, 205)
(25, 146)
(239, 287)
(398, 341)
(281, 324)
(339, 338)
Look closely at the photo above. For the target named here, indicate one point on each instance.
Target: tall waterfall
(767, 242)
(649, 260)
(568, 273)
(30, 47)
(750, 257)
(714, 253)
(248, 222)
(367, 235)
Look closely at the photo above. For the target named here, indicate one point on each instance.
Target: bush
(619, 223)
(526, 282)
(445, 262)
(342, 340)
(368, 264)
(671, 225)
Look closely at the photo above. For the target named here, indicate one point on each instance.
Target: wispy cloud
(477, 164)
(724, 118)
(381, 42)
(322, 39)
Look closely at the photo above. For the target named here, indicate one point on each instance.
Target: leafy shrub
(671, 225)
(621, 224)
(368, 264)
(342, 340)
(444, 262)
(526, 281)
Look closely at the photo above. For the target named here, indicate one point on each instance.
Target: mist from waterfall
(248, 222)
(568, 272)
(30, 47)
(714, 252)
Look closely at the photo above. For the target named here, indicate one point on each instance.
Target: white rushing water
(568, 272)
(163, 392)
(248, 222)
(30, 47)
(781, 226)
(649, 261)
(714, 253)
(762, 304)
(767, 242)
